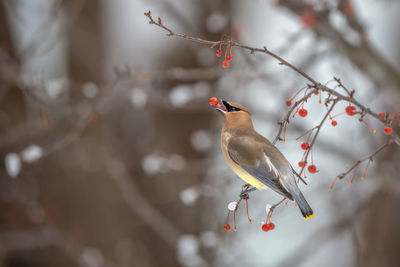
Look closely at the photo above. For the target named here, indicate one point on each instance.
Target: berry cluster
(330, 102)
(228, 57)
(307, 149)
(267, 226)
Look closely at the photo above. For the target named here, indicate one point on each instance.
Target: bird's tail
(300, 200)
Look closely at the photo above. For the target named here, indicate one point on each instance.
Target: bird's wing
(251, 157)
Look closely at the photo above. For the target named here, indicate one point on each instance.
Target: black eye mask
(229, 107)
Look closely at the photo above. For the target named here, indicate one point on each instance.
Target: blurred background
(110, 153)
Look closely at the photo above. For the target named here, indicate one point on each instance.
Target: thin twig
(286, 120)
(318, 127)
(369, 157)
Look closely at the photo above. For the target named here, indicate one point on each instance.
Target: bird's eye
(233, 109)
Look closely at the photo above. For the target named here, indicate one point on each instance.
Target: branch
(139, 206)
(318, 127)
(283, 123)
(369, 157)
(314, 84)
(230, 42)
(184, 36)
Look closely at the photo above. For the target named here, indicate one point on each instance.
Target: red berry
(219, 52)
(308, 20)
(350, 110)
(349, 9)
(213, 101)
(229, 58)
(303, 112)
(334, 123)
(312, 169)
(302, 163)
(265, 227)
(288, 103)
(382, 115)
(316, 92)
(225, 64)
(388, 130)
(271, 226)
(227, 227)
(305, 146)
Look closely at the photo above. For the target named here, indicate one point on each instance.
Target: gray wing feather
(266, 178)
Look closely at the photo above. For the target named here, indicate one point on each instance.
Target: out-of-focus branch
(361, 55)
(12, 241)
(137, 203)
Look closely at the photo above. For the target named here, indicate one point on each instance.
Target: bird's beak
(221, 109)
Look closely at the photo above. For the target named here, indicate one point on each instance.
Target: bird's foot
(244, 194)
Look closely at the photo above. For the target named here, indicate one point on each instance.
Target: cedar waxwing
(255, 159)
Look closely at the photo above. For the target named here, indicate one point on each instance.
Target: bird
(254, 158)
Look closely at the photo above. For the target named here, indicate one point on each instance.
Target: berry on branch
(312, 169)
(305, 146)
(350, 110)
(303, 112)
(271, 226)
(302, 163)
(388, 130)
(268, 226)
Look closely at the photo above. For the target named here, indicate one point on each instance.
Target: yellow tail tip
(309, 216)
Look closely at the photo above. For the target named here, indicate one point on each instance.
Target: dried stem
(369, 157)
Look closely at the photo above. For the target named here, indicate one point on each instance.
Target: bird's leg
(246, 190)
(244, 195)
